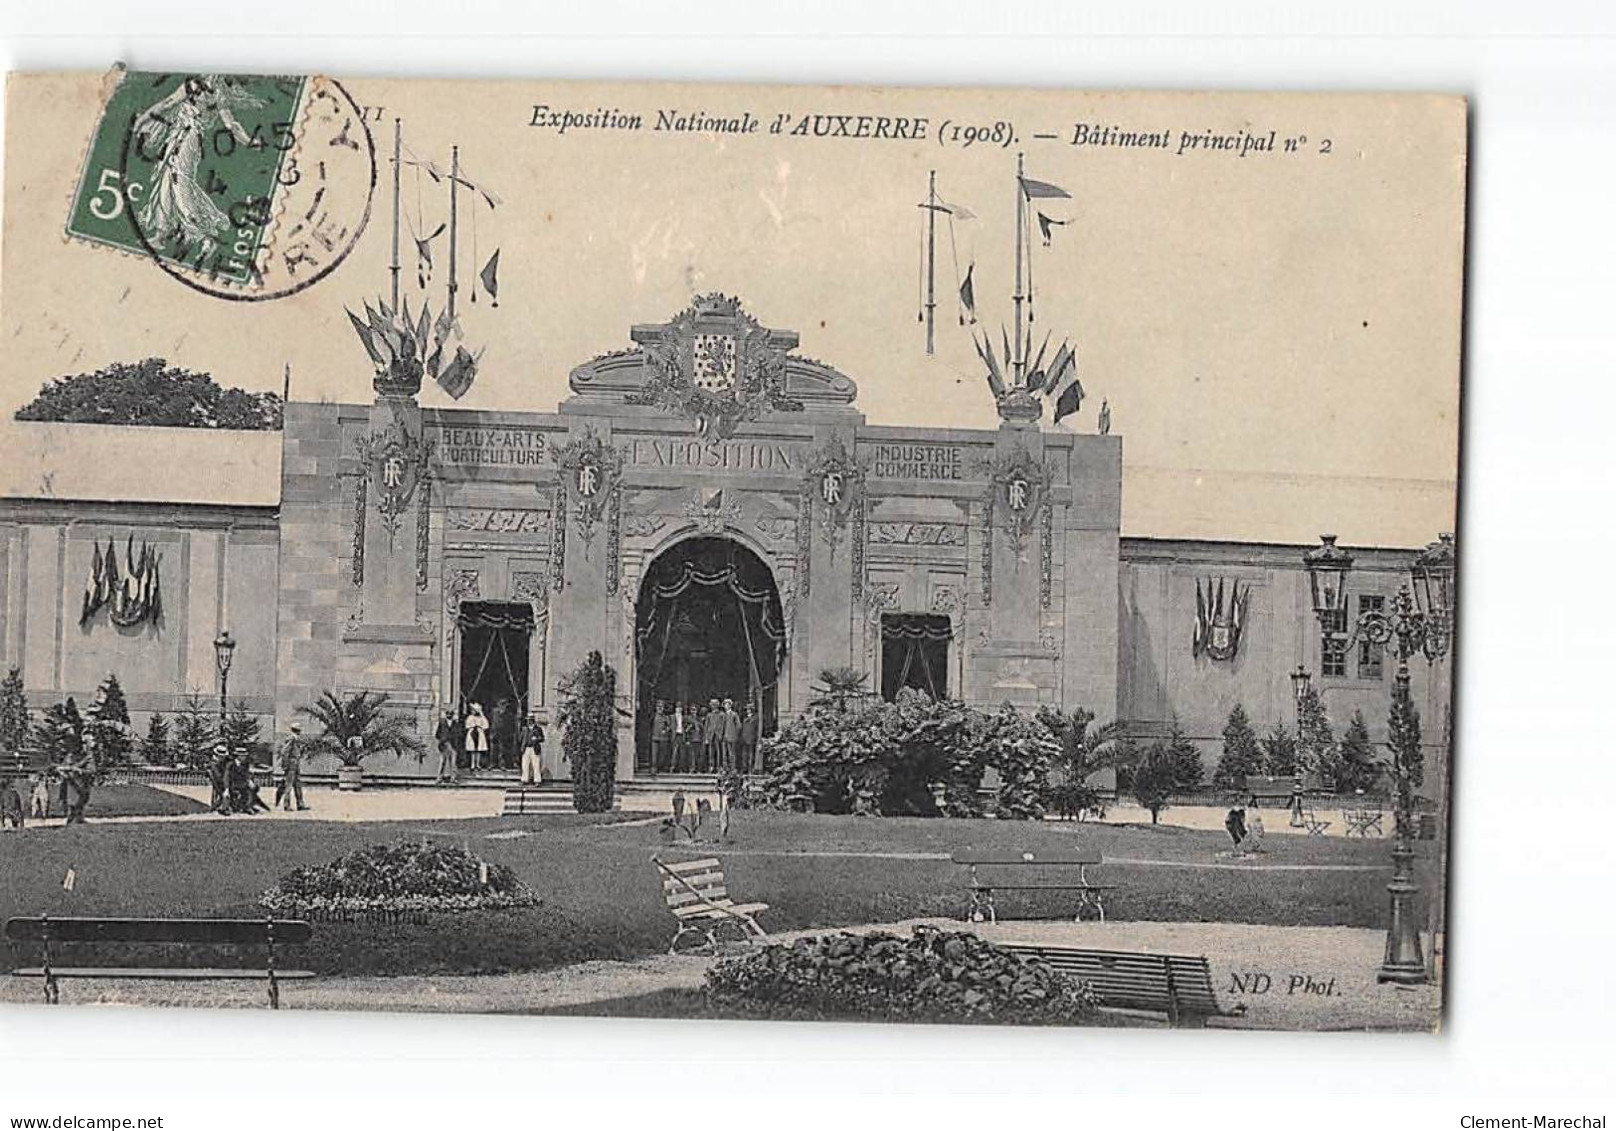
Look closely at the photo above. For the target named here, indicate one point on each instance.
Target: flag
(968, 296)
(959, 212)
(1045, 223)
(984, 350)
(458, 375)
(1035, 372)
(490, 277)
(1070, 400)
(1043, 190)
(110, 572)
(367, 337)
(87, 610)
(1065, 360)
(1105, 418)
(715, 501)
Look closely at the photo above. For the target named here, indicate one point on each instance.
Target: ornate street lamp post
(1418, 622)
(1301, 680)
(224, 648)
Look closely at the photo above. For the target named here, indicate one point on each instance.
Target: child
(39, 797)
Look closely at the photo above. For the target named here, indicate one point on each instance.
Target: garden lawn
(602, 898)
(132, 799)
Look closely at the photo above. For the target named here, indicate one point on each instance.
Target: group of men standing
(469, 734)
(702, 740)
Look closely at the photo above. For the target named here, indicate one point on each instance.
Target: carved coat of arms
(590, 468)
(718, 366)
(396, 463)
(1219, 618)
(835, 482)
(1020, 490)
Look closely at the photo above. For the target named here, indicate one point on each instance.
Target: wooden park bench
(268, 933)
(1178, 986)
(1044, 870)
(700, 901)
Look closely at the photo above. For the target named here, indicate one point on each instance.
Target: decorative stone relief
(1046, 560)
(837, 481)
(558, 539)
(497, 520)
(423, 535)
(712, 511)
(614, 538)
(916, 534)
(459, 585)
(590, 469)
(534, 588)
(775, 528)
(361, 489)
(643, 525)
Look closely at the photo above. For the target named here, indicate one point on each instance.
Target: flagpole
(398, 146)
(454, 185)
(931, 266)
(1016, 364)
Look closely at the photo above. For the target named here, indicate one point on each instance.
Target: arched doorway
(708, 626)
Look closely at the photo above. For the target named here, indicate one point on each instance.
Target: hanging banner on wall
(1219, 621)
(132, 592)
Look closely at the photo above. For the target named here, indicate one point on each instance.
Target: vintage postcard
(935, 555)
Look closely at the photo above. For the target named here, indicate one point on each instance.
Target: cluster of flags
(391, 337)
(133, 591)
(1058, 381)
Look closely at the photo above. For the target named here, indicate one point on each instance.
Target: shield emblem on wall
(712, 363)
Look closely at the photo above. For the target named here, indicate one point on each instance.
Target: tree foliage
(1153, 779)
(107, 719)
(1356, 765)
(59, 734)
(588, 712)
(155, 748)
(915, 756)
(194, 731)
(1184, 758)
(13, 713)
(1279, 752)
(243, 730)
(1315, 741)
(362, 715)
(152, 393)
(1084, 749)
(1241, 757)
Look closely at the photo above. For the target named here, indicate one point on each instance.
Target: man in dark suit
(712, 735)
(729, 736)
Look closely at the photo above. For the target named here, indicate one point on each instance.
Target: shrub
(1023, 751)
(242, 729)
(406, 876)
(107, 719)
(363, 716)
(588, 711)
(1315, 741)
(155, 749)
(1184, 759)
(1356, 766)
(933, 975)
(13, 713)
(1279, 752)
(1242, 757)
(60, 733)
(915, 756)
(194, 731)
(1153, 779)
(1084, 749)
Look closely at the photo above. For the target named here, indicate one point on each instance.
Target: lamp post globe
(224, 650)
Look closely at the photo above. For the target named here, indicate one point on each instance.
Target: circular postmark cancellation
(243, 187)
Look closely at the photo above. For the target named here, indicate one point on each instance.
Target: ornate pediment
(715, 365)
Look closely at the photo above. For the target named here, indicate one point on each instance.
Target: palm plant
(360, 716)
(838, 686)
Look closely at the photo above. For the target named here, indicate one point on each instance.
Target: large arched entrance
(708, 626)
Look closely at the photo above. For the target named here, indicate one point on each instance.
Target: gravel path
(1317, 978)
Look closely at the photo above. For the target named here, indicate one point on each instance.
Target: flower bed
(933, 975)
(406, 877)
